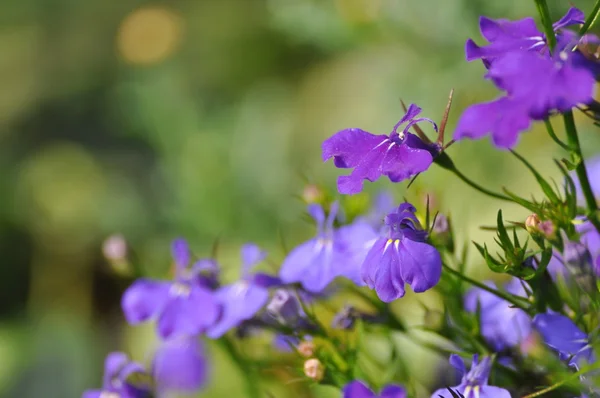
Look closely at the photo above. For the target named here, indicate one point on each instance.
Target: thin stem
(572, 377)
(553, 135)
(544, 11)
(514, 300)
(591, 19)
(581, 170)
(478, 187)
(246, 369)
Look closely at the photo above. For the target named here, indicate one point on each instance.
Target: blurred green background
(204, 119)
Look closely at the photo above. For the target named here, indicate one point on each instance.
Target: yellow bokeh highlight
(149, 35)
(359, 11)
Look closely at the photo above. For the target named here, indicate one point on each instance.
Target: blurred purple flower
(332, 253)
(502, 325)
(506, 36)
(180, 365)
(119, 379)
(563, 336)
(473, 384)
(402, 257)
(183, 306)
(399, 156)
(243, 299)
(358, 389)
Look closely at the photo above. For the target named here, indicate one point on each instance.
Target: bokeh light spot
(149, 35)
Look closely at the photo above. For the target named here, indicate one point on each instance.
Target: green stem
(553, 135)
(591, 19)
(478, 187)
(572, 377)
(581, 170)
(518, 302)
(248, 373)
(544, 11)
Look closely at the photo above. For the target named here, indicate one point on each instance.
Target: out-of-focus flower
(314, 369)
(563, 336)
(502, 325)
(473, 384)
(402, 257)
(114, 248)
(399, 156)
(120, 379)
(183, 306)
(358, 389)
(243, 299)
(332, 253)
(286, 309)
(180, 365)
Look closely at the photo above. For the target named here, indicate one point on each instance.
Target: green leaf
(550, 194)
(523, 202)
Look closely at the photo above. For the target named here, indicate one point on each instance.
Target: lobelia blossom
(402, 257)
(537, 83)
(358, 389)
(332, 253)
(399, 155)
(563, 336)
(182, 307)
(117, 382)
(502, 325)
(180, 365)
(506, 36)
(243, 299)
(473, 384)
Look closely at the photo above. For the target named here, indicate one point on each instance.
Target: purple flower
(398, 156)
(502, 325)
(119, 373)
(473, 384)
(358, 389)
(180, 365)
(183, 306)
(402, 257)
(507, 36)
(563, 336)
(243, 299)
(332, 253)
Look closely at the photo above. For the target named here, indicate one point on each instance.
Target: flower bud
(532, 223)
(114, 248)
(314, 369)
(306, 348)
(285, 308)
(312, 193)
(547, 229)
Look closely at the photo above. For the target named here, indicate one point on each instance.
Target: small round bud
(114, 248)
(547, 228)
(532, 222)
(314, 369)
(306, 349)
(312, 194)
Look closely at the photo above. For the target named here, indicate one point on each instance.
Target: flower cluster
(537, 328)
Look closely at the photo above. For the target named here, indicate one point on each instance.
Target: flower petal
(574, 16)
(393, 391)
(188, 314)
(114, 363)
(420, 264)
(180, 365)
(560, 333)
(144, 299)
(251, 255)
(357, 389)
(348, 147)
(181, 253)
(310, 264)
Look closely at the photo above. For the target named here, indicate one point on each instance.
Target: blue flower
(502, 325)
(183, 307)
(399, 155)
(563, 336)
(332, 253)
(119, 372)
(179, 365)
(358, 389)
(473, 384)
(243, 299)
(402, 257)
